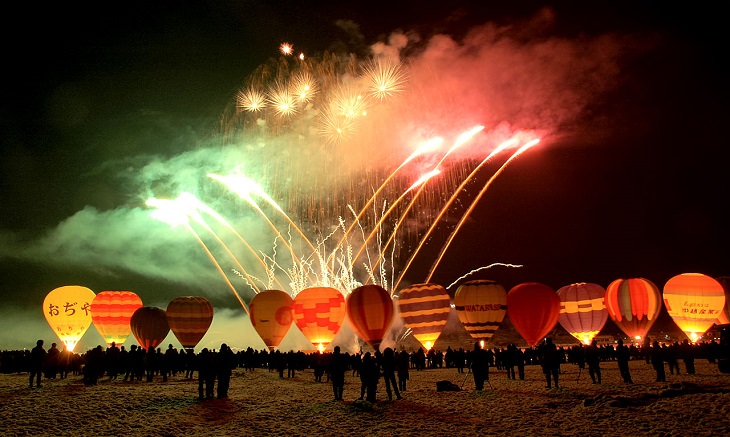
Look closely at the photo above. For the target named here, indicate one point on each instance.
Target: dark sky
(630, 179)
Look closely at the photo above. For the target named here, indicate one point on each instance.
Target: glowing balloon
(533, 309)
(694, 301)
(634, 305)
(425, 310)
(111, 312)
(319, 313)
(189, 318)
(481, 306)
(724, 317)
(149, 326)
(370, 312)
(271, 316)
(68, 312)
(582, 310)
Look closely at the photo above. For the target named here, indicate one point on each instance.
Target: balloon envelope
(271, 316)
(149, 326)
(189, 318)
(481, 306)
(370, 312)
(694, 301)
(634, 305)
(533, 309)
(319, 313)
(425, 310)
(724, 317)
(111, 312)
(68, 312)
(582, 310)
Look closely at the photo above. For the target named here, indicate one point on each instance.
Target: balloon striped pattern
(425, 310)
(370, 313)
(481, 306)
(582, 310)
(633, 304)
(111, 312)
(189, 318)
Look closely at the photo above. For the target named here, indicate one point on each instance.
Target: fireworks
(338, 179)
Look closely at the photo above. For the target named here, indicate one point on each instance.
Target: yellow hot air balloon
(481, 306)
(694, 301)
(425, 310)
(271, 316)
(68, 311)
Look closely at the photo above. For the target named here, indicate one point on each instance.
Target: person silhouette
(37, 361)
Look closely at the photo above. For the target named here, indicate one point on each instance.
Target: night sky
(629, 180)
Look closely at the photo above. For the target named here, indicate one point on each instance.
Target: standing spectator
(370, 375)
(51, 368)
(550, 362)
(623, 354)
(519, 362)
(365, 365)
(687, 353)
(508, 360)
(37, 361)
(338, 367)
(671, 356)
(225, 363)
(388, 364)
(206, 374)
(657, 361)
(402, 366)
(479, 366)
(593, 359)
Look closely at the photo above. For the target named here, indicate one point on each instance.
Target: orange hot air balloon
(271, 316)
(370, 311)
(694, 301)
(319, 313)
(189, 318)
(481, 306)
(111, 312)
(533, 309)
(149, 326)
(582, 310)
(425, 310)
(68, 312)
(634, 305)
(724, 317)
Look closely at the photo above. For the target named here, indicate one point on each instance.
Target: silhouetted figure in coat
(550, 362)
(623, 355)
(403, 363)
(37, 360)
(388, 365)
(206, 374)
(225, 363)
(593, 359)
(479, 366)
(657, 362)
(338, 367)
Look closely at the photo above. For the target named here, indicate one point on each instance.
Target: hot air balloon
(189, 318)
(111, 312)
(694, 301)
(370, 312)
(425, 310)
(481, 306)
(319, 313)
(634, 305)
(271, 316)
(533, 309)
(149, 326)
(724, 317)
(68, 311)
(582, 310)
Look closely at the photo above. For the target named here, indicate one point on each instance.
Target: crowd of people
(213, 368)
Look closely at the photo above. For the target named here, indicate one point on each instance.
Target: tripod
(467, 377)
